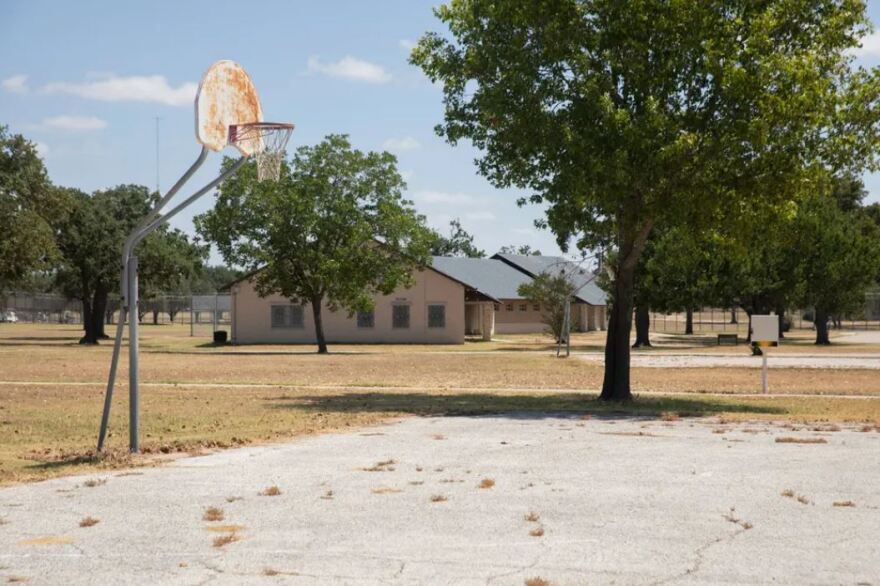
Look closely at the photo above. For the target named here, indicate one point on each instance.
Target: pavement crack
(697, 563)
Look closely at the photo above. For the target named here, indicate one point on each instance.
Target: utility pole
(158, 190)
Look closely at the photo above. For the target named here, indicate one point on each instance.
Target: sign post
(765, 335)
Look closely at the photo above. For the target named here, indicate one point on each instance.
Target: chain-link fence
(203, 314)
(719, 320)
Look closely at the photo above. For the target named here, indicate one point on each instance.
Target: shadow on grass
(551, 405)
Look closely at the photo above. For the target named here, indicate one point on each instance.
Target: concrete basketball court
(614, 500)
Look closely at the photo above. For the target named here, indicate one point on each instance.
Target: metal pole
(764, 385)
(568, 328)
(108, 396)
(133, 395)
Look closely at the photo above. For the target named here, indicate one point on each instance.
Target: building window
(496, 306)
(436, 316)
(366, 319)
(287, 316)
(536, 307)
(509, 307)
(400, 317)
(523, 306)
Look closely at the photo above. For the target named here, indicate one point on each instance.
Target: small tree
(552, 292)
(334, 229)
(458, 243)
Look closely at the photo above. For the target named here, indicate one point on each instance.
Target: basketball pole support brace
(129, 301)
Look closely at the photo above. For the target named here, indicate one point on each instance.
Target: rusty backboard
(226, 96)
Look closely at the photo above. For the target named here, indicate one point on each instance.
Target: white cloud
(350, 68)
(407, 143)
(17, 84)
(406, 45)
(870, 46)
(42, 149)
(135, 88)
(407, 174)
(74, 123)
(442, 197)
(480, 216)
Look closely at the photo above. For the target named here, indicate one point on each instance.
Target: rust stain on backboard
(226, 96)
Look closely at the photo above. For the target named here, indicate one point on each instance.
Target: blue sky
(86, 81)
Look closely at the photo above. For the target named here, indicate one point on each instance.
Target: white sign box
(765, 329)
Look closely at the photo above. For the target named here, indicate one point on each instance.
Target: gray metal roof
(584, 281)
(491, 277)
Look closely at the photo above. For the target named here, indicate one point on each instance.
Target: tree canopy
(26, 200)
(90, 240)
(335, 228)
(622, 116)
(458, 243)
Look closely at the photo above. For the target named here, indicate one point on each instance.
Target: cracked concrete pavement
(619, 499)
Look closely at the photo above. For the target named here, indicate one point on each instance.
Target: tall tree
(838, 259)
(623, 116)
(90, 240)
(26, 200)
(334, 228)
(458, 243)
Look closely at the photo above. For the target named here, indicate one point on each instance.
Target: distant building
(453, 298)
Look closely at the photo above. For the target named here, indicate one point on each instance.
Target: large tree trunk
(643, 326)
(90, 334)
(821, 322)
(780, 312)
(615, 385)
(155, 317)
(319, 324)
(99, 308)
(689, 321)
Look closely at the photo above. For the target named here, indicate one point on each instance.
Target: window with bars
(287, 316)
(509, 307)
(366, 319)
(523, 306)
(437, 316)
(400, 317)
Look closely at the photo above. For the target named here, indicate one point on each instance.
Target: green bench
(731, 339)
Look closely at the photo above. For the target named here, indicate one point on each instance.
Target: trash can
(220, 336)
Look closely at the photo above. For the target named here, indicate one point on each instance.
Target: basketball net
(266, 142)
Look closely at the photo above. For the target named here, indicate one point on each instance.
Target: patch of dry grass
(385, 490)
(226, 539)
(731, 516)
(532, 517)
(438, 498)
(537, 532)
(801, 440)
(190, 407)
(17, 579)
(383, 466)
(328, 496)
(537, 581)
(788, 493)
(213, 514)
(89, 522)
(803, 500)
(846, 503)
(486, 483)
(93, 482)
(270, 491)
(669, 416)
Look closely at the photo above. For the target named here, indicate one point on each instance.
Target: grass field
(198, 396)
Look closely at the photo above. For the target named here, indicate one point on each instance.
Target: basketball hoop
(266, 142)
